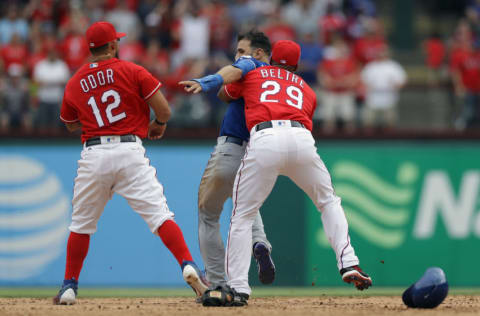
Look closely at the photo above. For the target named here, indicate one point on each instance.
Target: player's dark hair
(257, 40)
(99, 50)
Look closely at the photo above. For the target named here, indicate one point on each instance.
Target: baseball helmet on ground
(429, 291)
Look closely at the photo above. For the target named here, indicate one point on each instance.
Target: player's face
(243, 49)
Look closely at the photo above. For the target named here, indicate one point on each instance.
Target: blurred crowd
(455, 62)
(345, 55)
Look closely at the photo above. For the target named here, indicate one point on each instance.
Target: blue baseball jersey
(234, 120)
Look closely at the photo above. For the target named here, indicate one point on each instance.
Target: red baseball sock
(172, 237)
(77, 249)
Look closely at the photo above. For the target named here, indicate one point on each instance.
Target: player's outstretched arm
(230, 74)
(160, 107)
(226, 75)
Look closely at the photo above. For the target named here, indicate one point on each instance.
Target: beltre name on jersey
(278, 73)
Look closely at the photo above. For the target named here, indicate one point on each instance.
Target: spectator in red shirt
(339, 77)
(460, 43)
(434, 50)
(465, 71)
(331, 23)
(74, 50)
(277, 29)
(370, 46)
(14, 52)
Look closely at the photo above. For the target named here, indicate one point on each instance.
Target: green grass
(43, 292)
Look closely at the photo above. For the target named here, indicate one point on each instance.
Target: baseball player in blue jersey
(216, 186)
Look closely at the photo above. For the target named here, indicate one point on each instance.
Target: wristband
(210, 82)
(160, 123)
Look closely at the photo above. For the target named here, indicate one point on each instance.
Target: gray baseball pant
(215, 188)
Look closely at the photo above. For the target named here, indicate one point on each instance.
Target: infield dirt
(269, 306)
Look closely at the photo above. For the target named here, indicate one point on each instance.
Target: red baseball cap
(100, 33)
(286, 53)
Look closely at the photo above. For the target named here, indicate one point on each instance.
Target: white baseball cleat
(194, 278)
(67, 298)
(67, 294)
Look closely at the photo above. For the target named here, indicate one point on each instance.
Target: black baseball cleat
(216, 296)
(224, 296)
(354, 274)
(239, 299)
(266, 268)
(67, 294)
(213, 297)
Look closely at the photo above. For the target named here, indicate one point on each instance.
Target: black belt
(269, 124)
(123, 139)
(234, 140)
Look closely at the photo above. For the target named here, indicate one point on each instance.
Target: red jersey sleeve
(68, 113)
(234, 90)
(148, 83)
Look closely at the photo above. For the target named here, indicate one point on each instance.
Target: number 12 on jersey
(273, 88)
(111, 106)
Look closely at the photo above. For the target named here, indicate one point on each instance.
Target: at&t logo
(33, 217)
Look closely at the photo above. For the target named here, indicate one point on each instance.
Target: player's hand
(156, 131)
(191, 86)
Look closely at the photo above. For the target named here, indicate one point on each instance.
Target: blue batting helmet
(429, 291)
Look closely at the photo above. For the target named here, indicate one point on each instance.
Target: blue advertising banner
(36, 185)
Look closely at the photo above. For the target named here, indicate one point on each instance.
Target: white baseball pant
(289, 151)
(120, 168)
